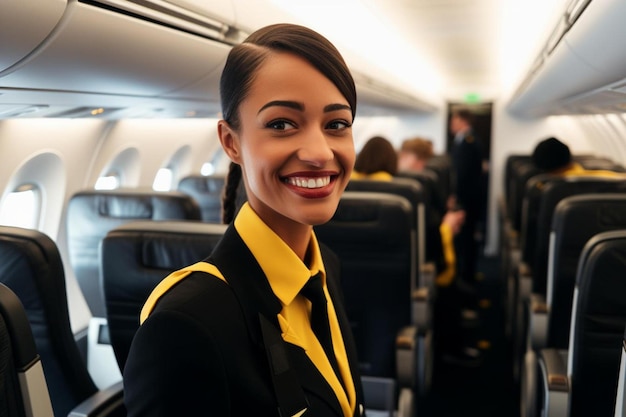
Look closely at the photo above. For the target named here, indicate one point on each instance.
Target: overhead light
(86, 112)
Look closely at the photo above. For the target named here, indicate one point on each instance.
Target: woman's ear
(229, 140)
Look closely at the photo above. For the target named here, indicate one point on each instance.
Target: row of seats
(92, 215)
(582, 378)
(543, 237)
(130, 271)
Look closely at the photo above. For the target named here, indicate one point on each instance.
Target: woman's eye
(338, 125)
(281, 125)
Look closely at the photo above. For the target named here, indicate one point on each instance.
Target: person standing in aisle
(467, 164)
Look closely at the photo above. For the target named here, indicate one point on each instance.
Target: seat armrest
(554, 382)
(511, 236)
(104, 403)
(524, 282)
(538, 321)
(422, 305)
(379, 395)
(427, 275)
(406, 356)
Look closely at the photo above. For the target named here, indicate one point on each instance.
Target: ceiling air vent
(174, 16)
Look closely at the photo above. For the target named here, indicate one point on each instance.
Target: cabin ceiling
(406, 55)
(458, 38)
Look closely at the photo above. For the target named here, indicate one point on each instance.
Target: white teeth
(309, 182)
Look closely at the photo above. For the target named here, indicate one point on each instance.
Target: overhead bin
(580, 73)
(24, 24)
(133, 58)
(375, 98)
(95, 50)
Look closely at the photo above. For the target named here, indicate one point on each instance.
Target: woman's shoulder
(198, 293)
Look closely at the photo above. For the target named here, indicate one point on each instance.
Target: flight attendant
(243, 332)
(468, 173)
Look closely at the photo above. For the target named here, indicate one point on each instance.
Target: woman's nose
(315, 149)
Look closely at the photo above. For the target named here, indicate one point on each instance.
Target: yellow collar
(285, 272)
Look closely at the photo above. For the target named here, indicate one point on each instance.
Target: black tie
(319, 318)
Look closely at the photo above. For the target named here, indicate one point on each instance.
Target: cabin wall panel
(73, 141)
(157, 140)
(399, 128)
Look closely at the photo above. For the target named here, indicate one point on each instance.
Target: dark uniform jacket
(467, 162)
(201, 351)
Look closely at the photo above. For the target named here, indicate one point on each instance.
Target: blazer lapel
(255, 296)
(313, 382)
(247, 280)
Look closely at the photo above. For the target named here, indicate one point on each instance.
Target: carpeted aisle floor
(487, 390)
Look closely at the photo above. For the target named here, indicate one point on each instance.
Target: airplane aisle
(487, 390)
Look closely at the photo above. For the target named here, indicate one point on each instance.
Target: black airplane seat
(23, 389)
(583, 380)
(371, 235)
(576, 219)
(31, 266)
(90, 215)
(135, 257)
(207, 191)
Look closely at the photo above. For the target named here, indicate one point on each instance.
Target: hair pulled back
(243, 63)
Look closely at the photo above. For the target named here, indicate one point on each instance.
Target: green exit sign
(472, 98)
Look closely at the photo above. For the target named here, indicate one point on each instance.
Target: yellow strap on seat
(173, 279)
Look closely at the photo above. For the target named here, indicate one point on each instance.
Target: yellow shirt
(378, 175)
(286, 274)
(575, 169)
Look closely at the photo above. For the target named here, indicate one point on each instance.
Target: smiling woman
(288, 101)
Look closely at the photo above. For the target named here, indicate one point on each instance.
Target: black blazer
(201, 351)
(467, 160)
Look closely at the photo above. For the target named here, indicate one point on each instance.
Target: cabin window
(21, 207)
(108, 182)
(207, 169)
(163, 180)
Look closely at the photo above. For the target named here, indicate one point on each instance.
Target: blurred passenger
(378, 160)
(455, 346)
(467, 160)
(414, 154)
(554, 157)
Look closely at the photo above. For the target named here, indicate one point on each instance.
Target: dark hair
(464, 114)
(245, 59)
(378, 154)
(551, 154)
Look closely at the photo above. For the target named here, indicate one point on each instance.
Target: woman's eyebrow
(300, 106)
(337, 106)
(283, 103)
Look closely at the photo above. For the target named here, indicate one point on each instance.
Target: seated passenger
(377, 160)
(554, 157)
(414, 154)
